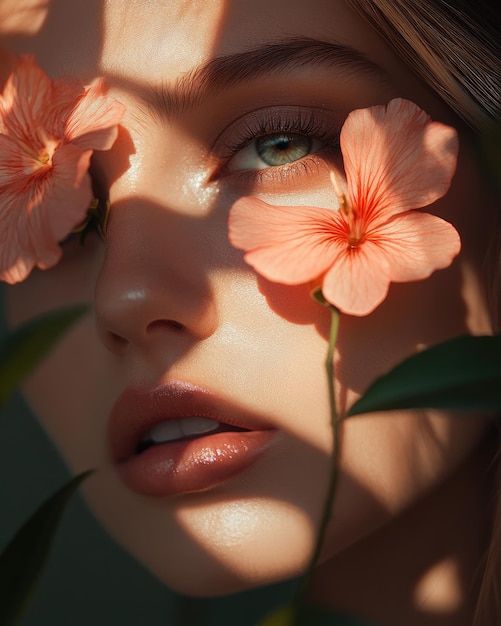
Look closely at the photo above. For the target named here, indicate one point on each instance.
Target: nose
(154, 284)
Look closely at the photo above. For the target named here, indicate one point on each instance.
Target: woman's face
(181, 327)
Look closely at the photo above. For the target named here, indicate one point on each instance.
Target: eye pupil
(283, 144)
(283, 148)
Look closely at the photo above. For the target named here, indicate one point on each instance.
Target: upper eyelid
(326, 122)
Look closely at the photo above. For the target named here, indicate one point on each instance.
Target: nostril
(161, 325)
(117, 342)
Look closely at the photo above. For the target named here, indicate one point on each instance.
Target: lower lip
(193, 465)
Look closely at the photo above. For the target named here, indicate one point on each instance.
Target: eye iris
(283, 148)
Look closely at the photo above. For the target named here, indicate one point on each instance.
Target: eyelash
(300, 122)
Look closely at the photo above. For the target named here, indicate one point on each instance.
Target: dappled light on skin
(439, 590)
(229, 527)
(166, 23)
(25, 18)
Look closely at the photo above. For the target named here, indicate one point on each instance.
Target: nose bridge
(155, 276)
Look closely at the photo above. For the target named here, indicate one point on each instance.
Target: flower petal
(24, 99)
(14, 164)
(16, 259)
(66, 92)
(64, 201)
(396, 159)
(288, 244)
(417, 244)
(16, 268)
(93, 123)
(358, 280)
(18, 255)
(33, 222)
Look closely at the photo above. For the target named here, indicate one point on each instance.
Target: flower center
(43, 157)
(38, 163)
(355, 234)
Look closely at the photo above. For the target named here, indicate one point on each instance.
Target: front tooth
(166, 431)
(170, 430)
(198, 426)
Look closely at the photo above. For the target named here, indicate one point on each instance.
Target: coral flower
(48, 131)
(395, 160)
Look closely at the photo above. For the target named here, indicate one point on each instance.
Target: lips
(180, 438)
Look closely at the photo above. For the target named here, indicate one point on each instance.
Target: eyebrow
(224, 72)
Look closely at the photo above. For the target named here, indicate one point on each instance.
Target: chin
(201, 545)
(212, 582)
(203, 578)
(192, 571)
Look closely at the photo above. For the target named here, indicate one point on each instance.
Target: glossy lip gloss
(187, 465)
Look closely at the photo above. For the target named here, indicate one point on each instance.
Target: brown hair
(454, 47)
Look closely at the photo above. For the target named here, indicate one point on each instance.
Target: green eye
(274, 150)
(283, 148)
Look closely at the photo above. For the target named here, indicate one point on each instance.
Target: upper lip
(137, 410)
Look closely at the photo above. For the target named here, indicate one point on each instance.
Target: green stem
(333, 473)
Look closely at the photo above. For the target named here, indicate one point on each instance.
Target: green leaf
(24, 348)
(283, 616)
(463, 373)
(24, 558)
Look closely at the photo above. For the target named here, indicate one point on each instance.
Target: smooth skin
(172, 300)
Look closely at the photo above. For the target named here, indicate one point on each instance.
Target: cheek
(389, 461)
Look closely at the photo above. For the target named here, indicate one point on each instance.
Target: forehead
(157, 41)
